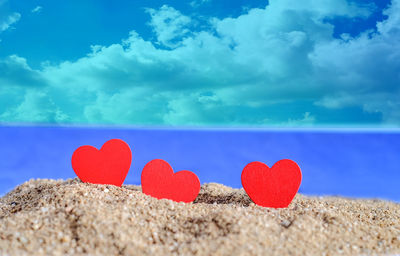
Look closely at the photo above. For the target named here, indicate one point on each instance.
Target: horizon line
(273, 128)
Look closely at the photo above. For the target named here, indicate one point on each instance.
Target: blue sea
(346, 162)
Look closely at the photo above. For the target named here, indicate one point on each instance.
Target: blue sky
(205, 62)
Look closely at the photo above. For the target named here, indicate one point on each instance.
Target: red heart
(272, 187)
(109, 165)
(160, 181)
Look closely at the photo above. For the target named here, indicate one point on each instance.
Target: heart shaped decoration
(109, 165)
(272, 187)
(160, 181)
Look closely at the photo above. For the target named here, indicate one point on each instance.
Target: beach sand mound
(70, 217)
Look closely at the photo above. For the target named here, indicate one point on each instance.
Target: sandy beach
(49, 217)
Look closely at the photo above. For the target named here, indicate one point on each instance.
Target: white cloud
(197, 3)
(15, 72)
(35, 107)
(366, 69)
(169, 25)
(306, 120)
(276, 65)
(8, 21)
(37, 9)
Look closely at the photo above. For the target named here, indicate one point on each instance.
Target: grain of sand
(49, 217)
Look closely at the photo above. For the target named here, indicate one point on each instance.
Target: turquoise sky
(201, 62)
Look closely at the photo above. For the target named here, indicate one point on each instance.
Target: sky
(201, 63)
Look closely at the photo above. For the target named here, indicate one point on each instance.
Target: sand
(49, 217)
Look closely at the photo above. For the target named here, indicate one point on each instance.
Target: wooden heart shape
(160, 181)
(109, 165)
(272, 187)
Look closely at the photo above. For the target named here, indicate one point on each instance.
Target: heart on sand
(109, 165)
(160, 181)
(272, 187)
